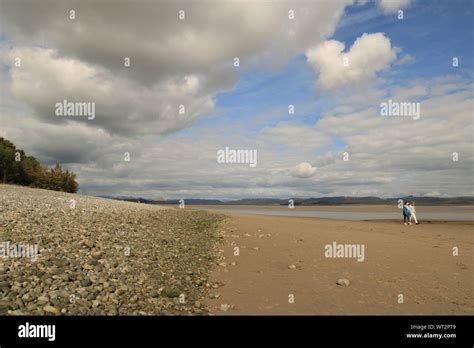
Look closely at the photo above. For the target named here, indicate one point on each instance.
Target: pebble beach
(99, 256)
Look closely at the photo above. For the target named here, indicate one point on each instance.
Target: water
(354, 216)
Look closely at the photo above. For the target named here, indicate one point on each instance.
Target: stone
(86, 282)
(343, 282)
(225, 307)
(51, 309)
(43, 300)
(4, 285)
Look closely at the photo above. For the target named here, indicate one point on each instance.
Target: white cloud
(303, 170)
(392, 6)
(370, 54)
(160, 45)
(173, 62)
(122, 106)
(406, 59)
(409, 93)
(417, 153)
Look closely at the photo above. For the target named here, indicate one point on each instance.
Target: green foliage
(17, 168)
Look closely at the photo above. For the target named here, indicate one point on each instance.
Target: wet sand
(414, 261)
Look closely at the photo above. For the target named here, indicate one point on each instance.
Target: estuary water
(449, 213)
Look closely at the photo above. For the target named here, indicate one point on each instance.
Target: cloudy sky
(334, 62)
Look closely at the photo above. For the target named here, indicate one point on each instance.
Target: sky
(334, 63)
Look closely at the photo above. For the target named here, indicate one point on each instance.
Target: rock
(292, 267)
(19, 303)
(4, 285)
(43, 300)
(51, 309)
(225, 307)
(31, 307)
(4, 307)
(86, 282)
(26, 297)
(343, 282)
(87, 243)
(154, 293)
(96, 255)
(170, 293)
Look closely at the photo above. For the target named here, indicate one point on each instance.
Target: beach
(69, 254)
(282, 260)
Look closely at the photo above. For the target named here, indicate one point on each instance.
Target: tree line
(18, 168)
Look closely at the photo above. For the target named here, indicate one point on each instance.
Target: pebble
(225, 307)
(43, 300)
(343, 282)
(86, 282)
(51, 309)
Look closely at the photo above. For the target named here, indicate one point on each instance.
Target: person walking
(411, 206)
(406, 214)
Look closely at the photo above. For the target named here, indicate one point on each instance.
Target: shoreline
(350, 213)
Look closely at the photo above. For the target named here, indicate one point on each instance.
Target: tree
(17, 168)
(7, 159)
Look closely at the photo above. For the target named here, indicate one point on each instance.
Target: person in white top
(411, 205)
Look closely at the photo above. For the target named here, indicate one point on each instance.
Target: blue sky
(432, 35)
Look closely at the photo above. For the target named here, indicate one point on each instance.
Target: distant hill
(342, 200)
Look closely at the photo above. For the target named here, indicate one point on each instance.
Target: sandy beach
(283, 259)
(109, 257)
